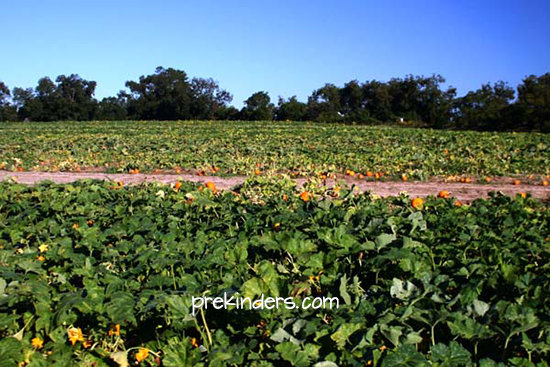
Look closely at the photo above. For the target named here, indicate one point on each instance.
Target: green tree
(435, 104)
(27, 104)
(534, 102)
(70, 99)
(226, 113)
(422, 99)
(45, 93)
(353, 103)
(404, 97)
(324, 104)
(7, 111)
(485, 109)
(165, 95)
(112, 108)
(292, 109)
(4, 94)
(74, 98)
(378, 100)
(258, 107)
(207, 98)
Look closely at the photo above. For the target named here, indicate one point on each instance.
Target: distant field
(240, 148)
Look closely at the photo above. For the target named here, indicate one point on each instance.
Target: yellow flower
(142, 354)
(19, 251)
(37, 343)
(194, 343)
(87, 343)
(43, 247)
(383, 348)
(75, 226)
(41, 258)
(115, 330)
(75, 334)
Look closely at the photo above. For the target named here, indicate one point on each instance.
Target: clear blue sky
(283, 47)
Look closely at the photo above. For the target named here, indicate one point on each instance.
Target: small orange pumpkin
(418, 203)
(210, 185)
(444, 194)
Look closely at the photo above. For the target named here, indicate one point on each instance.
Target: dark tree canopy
(165, 95)
(207, 98)
(4, 93)
(324, 104)
(113, 108)
(534, 102)
(292, 109)
(258, 107)
(484, 109)
(69, 98)
(378, 100)
(74, 98)
(169, 94)
(7, 111)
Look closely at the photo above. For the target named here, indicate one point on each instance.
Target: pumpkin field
(240, 148)
(102, 273)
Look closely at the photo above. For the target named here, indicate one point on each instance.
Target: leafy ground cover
(241, 148)
(98, 273)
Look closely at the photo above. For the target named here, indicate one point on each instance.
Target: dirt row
(462, 191)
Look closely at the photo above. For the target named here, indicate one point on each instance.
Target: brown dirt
(462, 191)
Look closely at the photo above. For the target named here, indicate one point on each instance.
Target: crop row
(95, 273)
(239, 148)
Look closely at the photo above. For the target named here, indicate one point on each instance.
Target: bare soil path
(462, 191)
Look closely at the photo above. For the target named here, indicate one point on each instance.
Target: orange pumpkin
(418, 203)
(444, 194)
(210, 185)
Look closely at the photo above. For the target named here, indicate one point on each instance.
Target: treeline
(169, 94)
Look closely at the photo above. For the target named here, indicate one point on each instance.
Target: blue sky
(283, 47)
